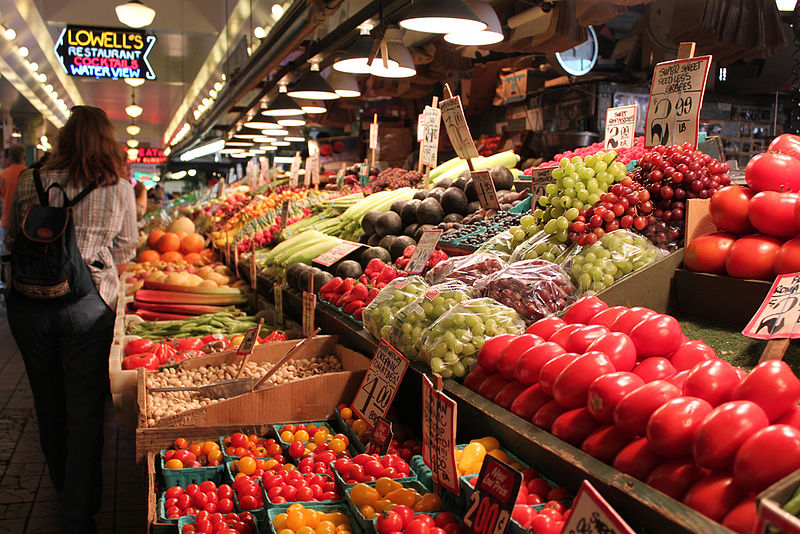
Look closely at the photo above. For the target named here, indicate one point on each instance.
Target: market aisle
(28, 501)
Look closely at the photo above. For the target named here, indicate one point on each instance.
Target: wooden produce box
(310, 399)
(771, 517)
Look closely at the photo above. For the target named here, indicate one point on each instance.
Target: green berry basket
(190, 475)
(190, 520)
(269, 504)
(324, 508)
(368, 525)
(276, 429)
(347, 430)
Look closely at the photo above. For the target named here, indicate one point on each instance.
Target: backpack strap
(80, 196)
(44, 194)
(44, 199)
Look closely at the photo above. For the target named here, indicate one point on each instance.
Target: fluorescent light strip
(203, 150)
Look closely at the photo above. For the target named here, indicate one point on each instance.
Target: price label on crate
(337, 253)
(379, 386)
(277, 298)
(373, 135)
(492, 502)
(340, 177)
(439, 414)
(294, 171)
(420, 126)
(382, 437)
(591, 514)
(457, 128)
(778, 317)
(484, 186)
(429, 150)
(425, 247)
(309, 308)
(249, 341)
(620, 127)
(539, 180)
(676, 96)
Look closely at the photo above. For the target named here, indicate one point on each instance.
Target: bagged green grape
(397, 293)
(501, 245)
(615, 255)
(405, 331)
(451, 344)
(541, 246)
(468, 269)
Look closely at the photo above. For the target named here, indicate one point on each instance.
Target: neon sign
(153, 156)
(105, 52)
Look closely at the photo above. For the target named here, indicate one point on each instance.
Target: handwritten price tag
(457, 128)
(539, 180)
(373, 135)
(337, 253)
(432, 120)
(284, 213)
(620, 127)
(377, 390)
(591, 514)
(425, 247)
(294, 171)
(309, 307)
(779, 314)
(676, 96)
(484, 186)
(278, 301)
(249, 341)
(308, 173)
(420, 126)
(382, 437)
(439, 414)
(492, 502)
(314, 166)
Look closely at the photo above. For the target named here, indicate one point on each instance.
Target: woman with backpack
(72, 227)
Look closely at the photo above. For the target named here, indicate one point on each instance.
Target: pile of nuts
(167, 404)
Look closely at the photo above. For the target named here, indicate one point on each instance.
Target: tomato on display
(707, 253)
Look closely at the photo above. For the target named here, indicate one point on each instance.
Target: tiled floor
(28, 501)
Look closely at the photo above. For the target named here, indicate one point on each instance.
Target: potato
(207, 283)
(223, 269)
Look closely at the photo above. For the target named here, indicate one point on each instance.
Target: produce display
(541, 246)
(298, 517)
(397, 294)
(217, 523)
(185, 455)
(626, 155)
(370, 467)
(468, 269)
(482, 228)
(387, 495)
(394, 178)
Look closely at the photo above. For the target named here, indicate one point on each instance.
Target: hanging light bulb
(218, 86)
(261, 121)
(313, 86)
(133, 110)
(10, 34)
(134, 82)
(312, 108)
(491, 35)
(133, 143)
(133, 153)
(133, 129)
(292, 121)
(344, 84)
(23, 51)
(442, 16)
(356, 60)
(295, 136)
(398, 53)
(259, 32)
(247, 133)
(283, 105)
(135, 14)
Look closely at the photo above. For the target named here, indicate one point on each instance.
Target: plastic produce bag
(468, 269)
(533, 288)
(406, 329)
(541, 246)
(501, 245)
(397, 293)
(451, 343)
(615, 255)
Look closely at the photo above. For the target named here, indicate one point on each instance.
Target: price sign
(363, 174)
(676, 96)
(492, 502)
(457, 128)
(591, 514)
(249, 341)
(429, 151)
(425, 247)
(337, 253)
(236, 257)
(264, 177)
(373, 135)
(309, 307)
(779, 314)
(308, 173)
(294, 171)
(340, 178)
(439, 414)
(253, 271)
(620, 127)
(382, 437)
(484, 186)
(420, 126)
(313, 147)
(539, 180)
(284, 213)
(277, 299)
(314, 166)
(377, 390)
(239, 172)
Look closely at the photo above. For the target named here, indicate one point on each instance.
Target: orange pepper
(386, 485)
(430, 502)
(405, 496)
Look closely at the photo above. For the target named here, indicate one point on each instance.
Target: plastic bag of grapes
(395, 295)
(533, 288)
(451, 344)
(501, 245)
(405, 330)
(541, 246)
(468, 269)
(615, 255)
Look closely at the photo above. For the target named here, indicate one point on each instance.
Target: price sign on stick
(278, 301)
(294, 170)
(539, 180)
(457, 129)
(620, 127)
(484, 186)
(363, 173)
(382, 437)
(439, 414)
(309, 307)
(373, 135)
(676, 96)
(492, 502)
(308, 172)
(337, 253)
(377, 390)
(425, 247)
(284, 213)
(778, 317)
(340, 178)
(429, 151)
(420, 126)
(314, 166)
(249, 341)
(264, 171)
(591, 514)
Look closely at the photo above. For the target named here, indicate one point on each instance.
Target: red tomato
(766, 457)
(626, 321)
(634, 410)
(707, 253)
(584, 309)
(773, 213)
(561, 335)
(787, 144)
(605, 393)
(605, 443)
(529, 401)
(723, 431)
(787, 260)
(608, 316)
(657, 335)
(714, 496)
(476, 377)
(678, 379)
(164, 351)
(675, 477)
(619, 349)
(690, 353)
(728, 209)
(579, 340)
(771, 171)
(510, 355)
(574, 426)
(547, 414)
(773, 386)
(544, 328)
(492, 386)
(491, 350)
(742, 516)
(791, 418)
(637, 459)
(506, 396)
(671, 428)
(148, 360)
(138, 346)
(189, 343)
(572, 384)
(711, 380)
(753, 256)
(550, 371)
(389, 522)
(655, 368)
(531, 361)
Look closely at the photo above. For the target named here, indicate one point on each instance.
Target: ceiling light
(23, 51)
(203, 150)
(247, 133)
(10, 34)
(312, 108)
(33, 66)
(134, 82)
(786, 5)
(48, 88)
(264, 139)
(242, 155)
(293, 139)
(283, 106)
(292, 121)
(344, 84)
(281, 143)
(133, 129)
(231, 150)
(277, 10)
(177, 175)
(491, 35)
(442, 16)
(398, 53)
(206, 102)
(218, 86)
(133, 153)
(133, 110)
(270, 148)
(259, 32)
(168, 151)
(196, 114)
(261, 122)
(135, 14)
(133, 143)
(355, 60)
(212, 93)
(258, 151)
(238, 143)
(313, 86)
(42, 77)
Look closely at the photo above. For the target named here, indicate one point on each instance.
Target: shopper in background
(140, 191)
(8, 183)
(65, 346)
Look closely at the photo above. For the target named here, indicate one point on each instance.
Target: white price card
(420, 126)
(778, 317)
(308, 173)
(457, 128)
(484, 186)
(591, 514)
(425, 247)
(337, 253)
(314, 166)
(620, 127)
(439, 413)
(313, 147)
(676, 96)
(377, 390)
(309, 308)
(540, 177)
(373, 135)
(294, 171)
(284, 214)
(264, 177)
(429, 151)
(249, 341)
(277, 299)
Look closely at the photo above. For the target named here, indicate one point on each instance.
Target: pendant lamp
(344, 84)
(491, 35)
(398, 53)
(283, 105)
(313, 107)
(135, 14)
(313, 86)
(356, 60)
(247, 133)
(442, 16)
(292, 121)
(262, 122)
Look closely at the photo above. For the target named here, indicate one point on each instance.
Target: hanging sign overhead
(113, 53)
(153, 156)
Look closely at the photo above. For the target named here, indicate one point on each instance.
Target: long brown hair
(87, 148)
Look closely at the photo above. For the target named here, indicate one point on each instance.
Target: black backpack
(46, 263)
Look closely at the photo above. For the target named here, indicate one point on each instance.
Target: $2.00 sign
(439, 414)
(492, 502)
(620, 127)
(377, 390)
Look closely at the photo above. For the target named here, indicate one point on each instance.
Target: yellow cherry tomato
(301, 435)
(363, 495)
(430, 502)
(279, 522)
(287, 436)
(325, 527)
(311, 517)
(295, 520)
(386, 485)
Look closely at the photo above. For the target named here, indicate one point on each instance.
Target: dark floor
(28, 501)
